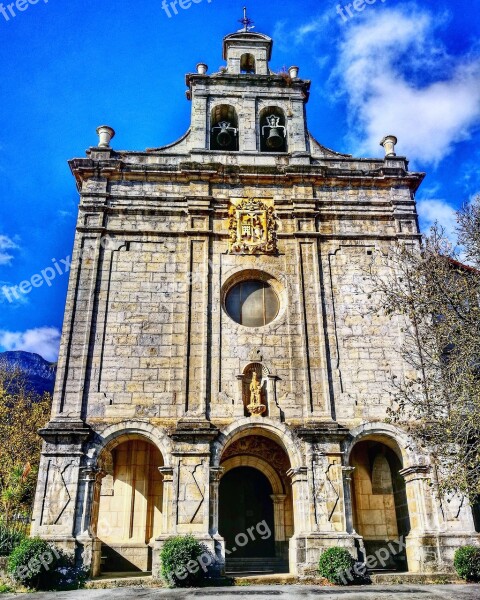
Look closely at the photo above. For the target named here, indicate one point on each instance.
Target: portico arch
(252, 446)
(380, 508)
(127, 508)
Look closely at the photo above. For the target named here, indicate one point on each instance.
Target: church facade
(221, 371)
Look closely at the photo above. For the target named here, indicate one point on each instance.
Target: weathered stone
(154, 375)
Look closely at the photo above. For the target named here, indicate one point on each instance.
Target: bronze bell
(224, 138)
(274, 139)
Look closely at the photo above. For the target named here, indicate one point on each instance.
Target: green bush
(467, 563)
(181, 562)
(9, 539)
(339, 567)
(39, 565)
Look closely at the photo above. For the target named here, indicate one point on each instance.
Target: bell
(274, 139)
(224, 138)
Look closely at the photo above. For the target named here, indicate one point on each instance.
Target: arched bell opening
(273, 130)
(255, 504)
(128, 504)
(247, 64)
(224, 128)
(380, 506)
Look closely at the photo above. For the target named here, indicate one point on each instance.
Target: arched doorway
(246, 501)
(380, 508)
(128, 504)
(255, 504)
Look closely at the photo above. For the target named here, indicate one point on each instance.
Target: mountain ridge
(39, 373)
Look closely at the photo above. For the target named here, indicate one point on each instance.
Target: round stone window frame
(255, 275)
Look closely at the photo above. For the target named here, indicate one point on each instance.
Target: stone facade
(154, 393)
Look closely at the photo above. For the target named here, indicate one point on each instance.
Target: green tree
(22, 413)
(438, 399)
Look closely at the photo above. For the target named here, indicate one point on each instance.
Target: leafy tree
(438, 298)
(22, 413)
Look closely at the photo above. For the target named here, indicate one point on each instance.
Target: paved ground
(292, 592)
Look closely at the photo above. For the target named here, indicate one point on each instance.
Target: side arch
(117, 433)
(393, 437)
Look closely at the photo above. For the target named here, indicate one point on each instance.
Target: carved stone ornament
(252, 228)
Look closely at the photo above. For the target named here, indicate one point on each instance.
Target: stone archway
(254, 476)
(379, 501)
(128, 503)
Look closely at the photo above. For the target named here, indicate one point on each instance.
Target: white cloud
(6, 243)
(42, 340)
(399, 80)
(431, 211)
(285, 35)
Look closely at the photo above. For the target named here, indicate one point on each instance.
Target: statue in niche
(256, 407)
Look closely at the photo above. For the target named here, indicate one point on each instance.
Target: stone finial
(293, 72)
(105, 134)
(202, 68)
(388, 143)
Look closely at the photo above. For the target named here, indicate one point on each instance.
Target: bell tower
(246, 107)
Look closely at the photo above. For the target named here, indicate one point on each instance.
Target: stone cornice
(320, 432)
(65, 432)
(115, 169)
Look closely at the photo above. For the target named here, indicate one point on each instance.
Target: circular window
(252, 303)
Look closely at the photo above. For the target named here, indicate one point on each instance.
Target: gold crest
(252, 228)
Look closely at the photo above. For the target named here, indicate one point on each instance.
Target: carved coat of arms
(252, 228)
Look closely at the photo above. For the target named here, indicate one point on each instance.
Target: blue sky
(407, 68)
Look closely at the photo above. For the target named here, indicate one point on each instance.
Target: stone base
(126, 557)
(434, 553)
(305, 550)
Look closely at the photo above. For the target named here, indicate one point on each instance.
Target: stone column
(215, 476)
(420, 551)
(347, 491)
(168, 521)
(301, 510)
(87, 510)
(279, 516)
(297, 549)
(281, 548)
(87, 516)
(219, 542)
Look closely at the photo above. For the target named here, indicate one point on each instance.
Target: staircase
(255, 566)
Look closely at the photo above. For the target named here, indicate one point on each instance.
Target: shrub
(180, 561)
(339, 567)
(39, 565)
(9, 539)
(467, 563)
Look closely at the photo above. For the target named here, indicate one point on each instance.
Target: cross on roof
(246, 22)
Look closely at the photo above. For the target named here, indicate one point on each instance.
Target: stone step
(414, 578)
(254, 566)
